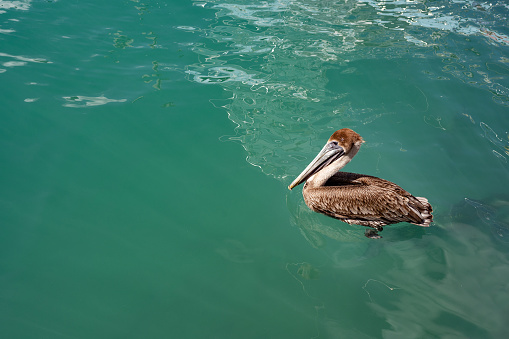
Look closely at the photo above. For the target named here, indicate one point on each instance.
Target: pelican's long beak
(329, 153)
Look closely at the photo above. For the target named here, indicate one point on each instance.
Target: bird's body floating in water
(355, 198)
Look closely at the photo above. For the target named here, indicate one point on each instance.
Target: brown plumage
(355, 198)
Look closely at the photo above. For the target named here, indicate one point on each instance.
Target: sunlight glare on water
(282, 59)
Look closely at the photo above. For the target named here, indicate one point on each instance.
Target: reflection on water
(18, 5)
(448, 281)
(84, 101)
(18, 60)
(494, 214)
(225, 74)
(274, 56)
(15, 59)
(444, 278)
(502, 146)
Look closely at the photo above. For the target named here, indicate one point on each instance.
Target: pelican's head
(338, 151)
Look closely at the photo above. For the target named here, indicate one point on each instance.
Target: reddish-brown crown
(346, 138)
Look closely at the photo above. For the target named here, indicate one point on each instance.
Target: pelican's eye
(333, 144)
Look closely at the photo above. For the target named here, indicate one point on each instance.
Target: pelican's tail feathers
(425, 212)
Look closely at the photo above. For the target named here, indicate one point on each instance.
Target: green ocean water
(146, 148)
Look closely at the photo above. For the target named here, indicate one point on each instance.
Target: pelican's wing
(346, 178)
(370, 203)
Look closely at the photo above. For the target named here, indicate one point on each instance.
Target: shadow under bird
(356, 198)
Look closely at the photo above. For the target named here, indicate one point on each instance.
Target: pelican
(356, 198)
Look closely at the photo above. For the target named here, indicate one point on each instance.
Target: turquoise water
(146, 147)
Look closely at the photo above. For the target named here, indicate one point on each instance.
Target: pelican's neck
(320, 178)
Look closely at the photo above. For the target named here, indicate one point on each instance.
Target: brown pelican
(356, 198)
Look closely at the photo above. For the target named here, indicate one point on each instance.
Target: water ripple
(274, 57)
(19, 5)
(84, 101)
